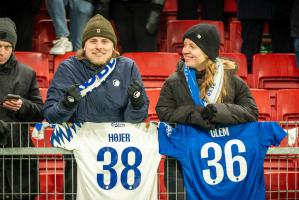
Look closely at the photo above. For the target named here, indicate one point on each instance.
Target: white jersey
(115, 160)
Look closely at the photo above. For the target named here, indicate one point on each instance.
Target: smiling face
(98, 50)
(5, 51)
(194, 57)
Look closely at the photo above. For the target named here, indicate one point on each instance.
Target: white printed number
(229, 162)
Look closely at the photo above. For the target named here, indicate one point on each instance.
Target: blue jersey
(225, 163)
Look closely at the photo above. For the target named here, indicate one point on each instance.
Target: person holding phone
(20, 101)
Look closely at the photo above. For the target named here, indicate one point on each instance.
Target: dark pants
(210, 9)
(173, 179)
(252, 34)
(70, 177)
(130, 20)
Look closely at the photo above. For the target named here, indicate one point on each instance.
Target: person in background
(254, 15)
(137, 23)
(295, 28)
(22, 13)
(20, 102)
(210, 9)
(204, 91)
(80, 12)
(119, 98)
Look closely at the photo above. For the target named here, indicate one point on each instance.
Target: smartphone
(12, 97)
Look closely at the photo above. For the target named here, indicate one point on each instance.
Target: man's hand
(71, 98)
(13, 104)
(136, 93)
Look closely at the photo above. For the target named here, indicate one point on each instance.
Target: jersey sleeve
(271, 134)
(170, 143)
(65, 136)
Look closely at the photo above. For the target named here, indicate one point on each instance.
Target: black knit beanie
(206, 37)
(8, 31)
(99, 26)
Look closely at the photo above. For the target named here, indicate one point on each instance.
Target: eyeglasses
(6, 47)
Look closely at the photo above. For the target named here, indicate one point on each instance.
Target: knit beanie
(206, 37)
(99, 26)
(8, 31)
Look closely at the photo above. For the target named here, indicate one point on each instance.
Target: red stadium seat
(60, 58)
(177, 28)
(39, 62)
(43, 93)
(44, 35)
(230, 6)
(274, 71)
(235, 38)
(287, 105)
(241, 61)
(262, 98)
(153, 95)
(154, 67)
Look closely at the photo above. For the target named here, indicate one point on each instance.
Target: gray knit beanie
(8, 31)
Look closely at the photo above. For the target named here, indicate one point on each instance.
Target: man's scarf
(96, 80)
(213, 92)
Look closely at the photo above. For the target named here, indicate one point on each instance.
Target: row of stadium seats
(270, 71)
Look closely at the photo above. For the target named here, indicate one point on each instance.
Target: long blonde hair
(208, 79)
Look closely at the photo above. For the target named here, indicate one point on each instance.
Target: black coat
(16, 78)
(295, 19)
(264, 9)
(175, 103)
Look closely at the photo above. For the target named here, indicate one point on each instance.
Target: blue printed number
(109, 167)
(124, 174)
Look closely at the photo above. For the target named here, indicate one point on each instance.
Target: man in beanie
(120, 97)
(204, 91)
(20, 102)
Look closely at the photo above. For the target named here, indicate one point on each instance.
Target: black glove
(72, 97)
(136, 93)
(209, 112)
(4, 132)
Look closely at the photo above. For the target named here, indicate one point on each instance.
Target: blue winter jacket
(107, 103)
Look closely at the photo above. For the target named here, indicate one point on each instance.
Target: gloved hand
(136, 93)
(153, 21)
(209, 112)
(72, 97)
(4, 132)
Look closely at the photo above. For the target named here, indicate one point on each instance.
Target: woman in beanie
(204, 91)
(73, 96)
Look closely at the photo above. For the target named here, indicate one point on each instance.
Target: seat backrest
(275, 71)
(235, 37)
(39, 62)
(287, 105)
(59, 58)
(44, 35)
(241, 61)
(262, 99)
(154, 67)
(153, 96)
(177, 28)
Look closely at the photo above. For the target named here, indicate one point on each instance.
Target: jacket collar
(199, 75)
(9, 65)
